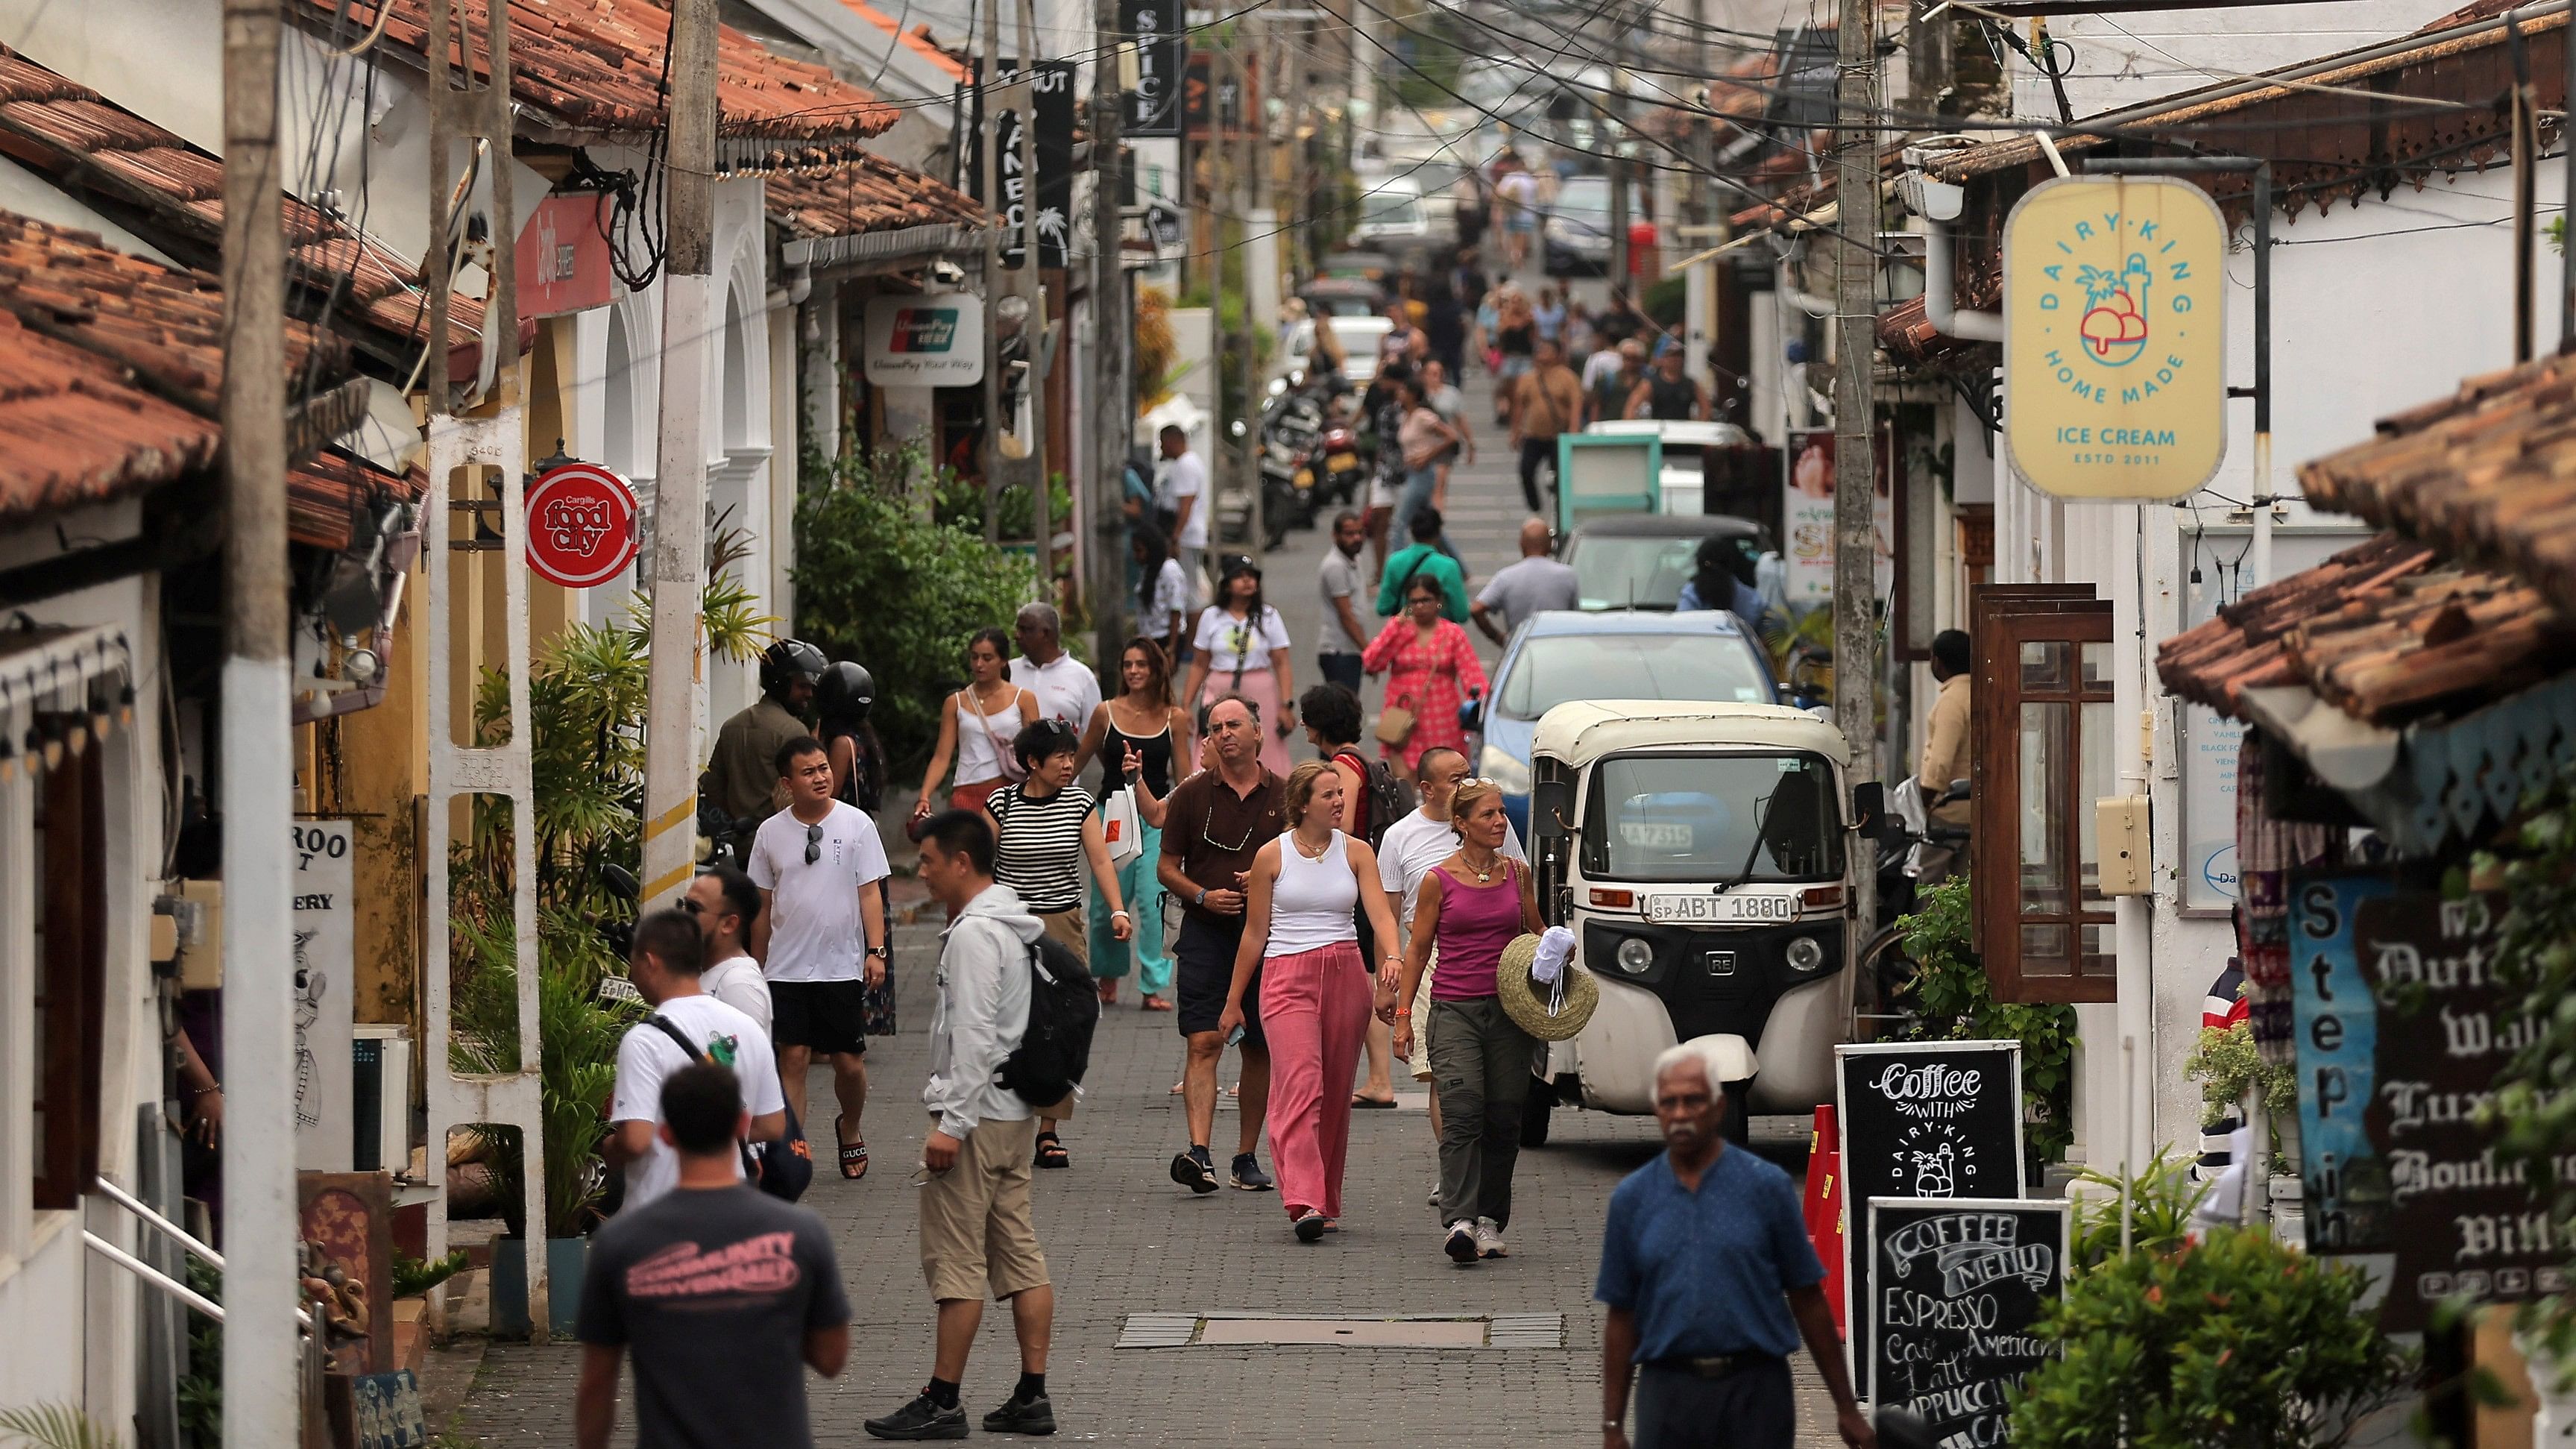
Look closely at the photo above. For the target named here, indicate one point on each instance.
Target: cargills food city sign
(2115, 337)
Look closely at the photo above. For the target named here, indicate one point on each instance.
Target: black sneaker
(1194, 1172)
(1310, 1227)
(921, 1419)
(1248, 1174)
(1022, 1416)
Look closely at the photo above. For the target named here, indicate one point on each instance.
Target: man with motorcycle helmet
(742, 776)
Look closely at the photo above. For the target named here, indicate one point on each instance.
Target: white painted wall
(2127, 59)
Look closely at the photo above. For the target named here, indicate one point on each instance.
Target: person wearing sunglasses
(821, 936)
(725, 904)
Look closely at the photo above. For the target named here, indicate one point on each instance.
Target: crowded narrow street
(1130, 1251)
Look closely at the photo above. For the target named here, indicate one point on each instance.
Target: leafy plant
(878, 582)
(2238, 1341)
(415, 1276)
(56, 1426)
(1956, 1002)
(958, 502)
(2227, 1066)
(2161, 1196)
(201, 1388)
(2535, 959)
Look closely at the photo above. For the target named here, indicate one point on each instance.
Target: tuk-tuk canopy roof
(1584, 731)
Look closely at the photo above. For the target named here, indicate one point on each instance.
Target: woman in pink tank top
(1471, 906)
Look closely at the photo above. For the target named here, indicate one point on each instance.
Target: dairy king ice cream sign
(2115, 377)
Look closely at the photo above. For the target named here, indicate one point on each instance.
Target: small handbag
(1395, 725)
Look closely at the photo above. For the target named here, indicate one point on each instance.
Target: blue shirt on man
(1705, 1272)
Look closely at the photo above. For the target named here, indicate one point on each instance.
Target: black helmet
(789, 660)
(845, 692)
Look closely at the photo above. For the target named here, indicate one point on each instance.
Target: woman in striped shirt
(1044, 833)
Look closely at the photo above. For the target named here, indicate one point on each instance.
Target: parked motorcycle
(1903, 870)
(1335, 461)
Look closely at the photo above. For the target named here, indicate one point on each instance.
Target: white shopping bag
(1125, 832)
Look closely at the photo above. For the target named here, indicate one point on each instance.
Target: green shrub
(879, 582)
(1665, 298)
(2235, 1342)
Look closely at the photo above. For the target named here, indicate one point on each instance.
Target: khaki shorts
(976, 1231)
(1420, 1057)
(1072, 929)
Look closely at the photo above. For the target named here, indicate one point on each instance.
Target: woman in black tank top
(1143, 727)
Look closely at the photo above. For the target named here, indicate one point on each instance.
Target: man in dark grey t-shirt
(723, 1293)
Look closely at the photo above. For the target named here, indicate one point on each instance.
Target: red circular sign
(581, 525)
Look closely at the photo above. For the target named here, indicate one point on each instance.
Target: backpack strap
(678, 1037)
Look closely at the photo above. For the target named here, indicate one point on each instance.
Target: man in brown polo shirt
(1215, 822)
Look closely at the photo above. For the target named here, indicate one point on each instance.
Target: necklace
(1315, 854)
(1483, 872)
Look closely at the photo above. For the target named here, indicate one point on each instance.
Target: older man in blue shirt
(1711, 1283)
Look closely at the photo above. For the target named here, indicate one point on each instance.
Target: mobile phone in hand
(1235, 1037)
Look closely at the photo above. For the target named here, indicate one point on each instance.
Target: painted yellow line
(671, 818)
(676, 879)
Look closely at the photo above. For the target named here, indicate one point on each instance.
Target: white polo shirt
(1065, 686)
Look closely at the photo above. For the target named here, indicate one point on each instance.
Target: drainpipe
(1938, 203)
(1786, 283)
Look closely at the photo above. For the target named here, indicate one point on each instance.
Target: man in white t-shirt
(665, 966)
(1066, 688)
(1185, 477)
(725, 903)
(1406, 853)
(821, 937)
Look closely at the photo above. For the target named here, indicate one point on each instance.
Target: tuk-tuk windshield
(1713, 818)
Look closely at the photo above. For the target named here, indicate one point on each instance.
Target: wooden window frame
(2003, 618)
(70, 976)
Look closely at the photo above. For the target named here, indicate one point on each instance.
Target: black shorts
(825, 1016)
(1203, 972)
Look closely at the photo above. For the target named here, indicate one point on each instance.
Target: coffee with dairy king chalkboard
(1957, 1285)
(1921, 1119)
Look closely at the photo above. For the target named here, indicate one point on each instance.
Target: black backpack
(1390, 796)
(1064, 1011)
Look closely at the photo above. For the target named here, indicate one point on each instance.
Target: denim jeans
(1419, 484)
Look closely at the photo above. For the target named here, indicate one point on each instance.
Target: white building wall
(2129, 58)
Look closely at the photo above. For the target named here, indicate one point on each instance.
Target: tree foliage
(1955, 1002)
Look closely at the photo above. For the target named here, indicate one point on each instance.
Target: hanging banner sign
(581, 525)
(562, 258)
(326, 963)
(1160, 31)
(2115, 337)
(1051, 82)
(929, 341)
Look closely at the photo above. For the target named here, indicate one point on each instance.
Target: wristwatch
(881, 951)
(1202, 897)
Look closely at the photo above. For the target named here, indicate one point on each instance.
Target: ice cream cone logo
(2114, 326)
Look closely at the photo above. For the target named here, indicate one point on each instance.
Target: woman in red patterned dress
(1430, 667)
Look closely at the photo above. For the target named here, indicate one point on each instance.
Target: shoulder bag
(1009, 759)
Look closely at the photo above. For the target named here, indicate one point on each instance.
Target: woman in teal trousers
(1143, 737)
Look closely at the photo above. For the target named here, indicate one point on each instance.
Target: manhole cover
(1239, 1330)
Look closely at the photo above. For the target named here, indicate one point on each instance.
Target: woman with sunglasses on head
(1300, 936)
(1469, 908)
(1045, 835)
(1242, 649)
(978, 727)
(1431, 669)
(1140, 736)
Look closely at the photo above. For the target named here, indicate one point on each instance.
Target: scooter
(1885, 969)
(1335, 461)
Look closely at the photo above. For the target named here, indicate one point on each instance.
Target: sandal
(1363, 1101)
(1051, 1151)
(1156, 1003)
(854, 1155)
(1109, 991)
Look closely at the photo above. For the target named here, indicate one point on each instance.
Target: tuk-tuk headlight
(1805, 953)
(1635, 955)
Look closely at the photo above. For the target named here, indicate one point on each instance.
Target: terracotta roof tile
(864, 194)
(320, 495)
(596, 66)
(73, 431)
(2487, 475)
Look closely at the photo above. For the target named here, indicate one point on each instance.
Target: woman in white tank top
(1301, 952)
(977, 729)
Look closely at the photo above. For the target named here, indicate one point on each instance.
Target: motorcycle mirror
(1235, 429)
(1958, 791)
(1869, 808)
(619, 881)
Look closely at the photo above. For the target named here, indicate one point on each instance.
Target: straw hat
(1525, 1001)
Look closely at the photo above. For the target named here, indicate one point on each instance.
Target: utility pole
(1855, 466)
(1618, 178)
(987, 82)
(258, 775)
(1247, 158)
(1113, 419)
(680, 459)
(1219, 451)
(1033, 330)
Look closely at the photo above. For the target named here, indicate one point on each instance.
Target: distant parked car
(1641, 560)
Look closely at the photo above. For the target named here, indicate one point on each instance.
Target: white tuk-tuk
(1697, 853)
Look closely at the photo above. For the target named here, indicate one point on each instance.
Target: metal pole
(2567, 201)
(2262, 550)
(1033, 333)
(1113, 423)
(1222, 460)
(680, 459)
(1855, 432)
(258, 774)
(1619, 261)
(1247, 163)
(2526, 159)
(987, 76)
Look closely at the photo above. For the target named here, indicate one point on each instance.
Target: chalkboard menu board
(2400, 1033)
(1958, 1284)
(1922, 1119)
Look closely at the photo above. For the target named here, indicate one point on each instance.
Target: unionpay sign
(2115, 337)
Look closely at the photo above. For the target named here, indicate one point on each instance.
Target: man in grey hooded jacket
(976, 1229)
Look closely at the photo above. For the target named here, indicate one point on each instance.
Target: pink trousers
(1315, 1011)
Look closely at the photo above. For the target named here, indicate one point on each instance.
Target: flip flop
(1362, 1102)
(854, 1155)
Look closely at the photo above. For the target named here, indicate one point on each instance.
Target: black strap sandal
(1051, 1151)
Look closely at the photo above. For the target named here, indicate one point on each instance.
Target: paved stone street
(1123, 1240)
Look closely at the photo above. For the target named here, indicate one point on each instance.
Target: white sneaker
(1434, 1199)
(1461, 1246)
(1489, 1239)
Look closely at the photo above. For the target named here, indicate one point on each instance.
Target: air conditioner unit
(380, 1098)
